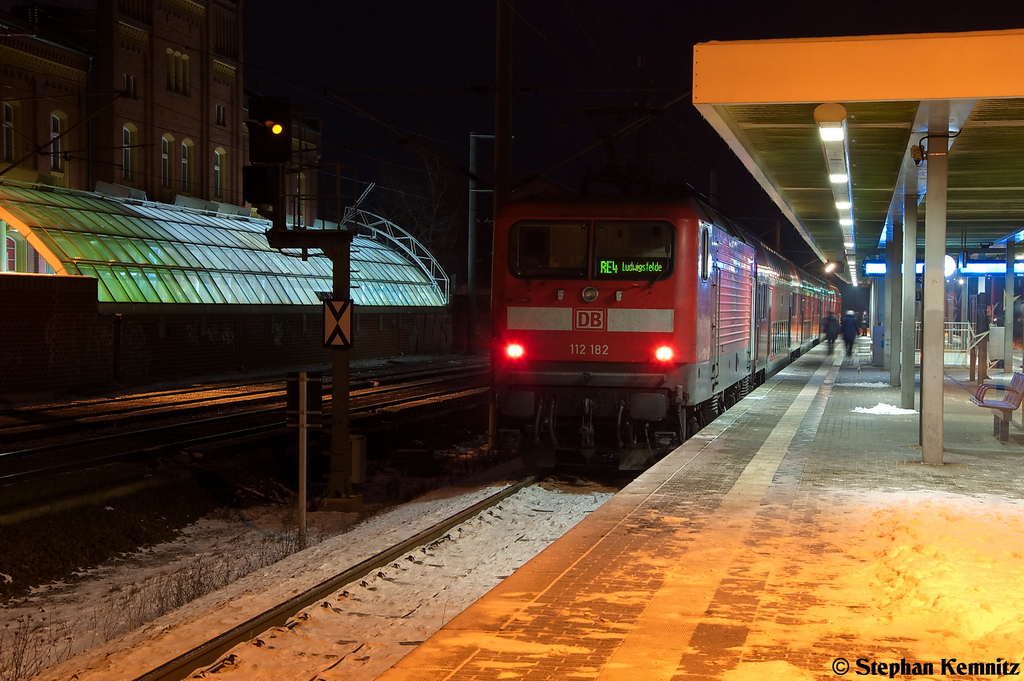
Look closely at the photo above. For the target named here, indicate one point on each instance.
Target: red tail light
(514, 350)
(664, 354)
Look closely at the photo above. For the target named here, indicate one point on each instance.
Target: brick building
(121, 154)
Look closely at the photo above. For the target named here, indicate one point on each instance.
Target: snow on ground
(368, 628)
(921, 576)
(877, 385)
(363, 629)
(882, 408)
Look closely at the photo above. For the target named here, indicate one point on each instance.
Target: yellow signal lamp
(275, 128)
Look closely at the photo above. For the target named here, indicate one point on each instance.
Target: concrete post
(934, 292)
(895, 316)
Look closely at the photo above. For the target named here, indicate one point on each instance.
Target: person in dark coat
(849, 328)
(830, 327)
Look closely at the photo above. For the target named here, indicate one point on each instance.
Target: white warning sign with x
(338, 323)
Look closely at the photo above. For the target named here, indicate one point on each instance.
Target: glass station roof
(146, 252)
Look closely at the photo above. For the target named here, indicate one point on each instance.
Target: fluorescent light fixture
(831, 120)
(831, 132)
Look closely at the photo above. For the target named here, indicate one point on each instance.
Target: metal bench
(1011, 397)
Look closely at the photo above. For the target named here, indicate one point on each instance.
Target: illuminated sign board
(633, 268)
(877, 269)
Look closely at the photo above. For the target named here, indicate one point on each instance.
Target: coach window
(705, 252)
(548, 249)
(632, 250)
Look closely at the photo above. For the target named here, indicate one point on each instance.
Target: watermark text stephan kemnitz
(944, 667)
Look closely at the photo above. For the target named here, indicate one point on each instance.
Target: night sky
(411, 64)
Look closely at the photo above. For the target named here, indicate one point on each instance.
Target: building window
(8, 140)
(165, 161)
(222, 114)
(129, 153)
(218, 174)
(11, 254)
(57, 128)
(178, 75)
(186, 167)
(129, 87)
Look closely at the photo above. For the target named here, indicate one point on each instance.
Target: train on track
(624, 324)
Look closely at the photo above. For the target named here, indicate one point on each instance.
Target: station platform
(798, 536)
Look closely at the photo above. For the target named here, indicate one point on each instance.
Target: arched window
(186, 166)
(171, 76)
(166, 165)
(11, 254)
(58, 125)
(178, 75)
(10, 116)
(129, 152)
(186, 79)
(218, 173)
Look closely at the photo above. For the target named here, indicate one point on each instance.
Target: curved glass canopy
(147, 252)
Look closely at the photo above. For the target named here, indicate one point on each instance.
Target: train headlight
(590, 294)
(664, 354)
(514, 350)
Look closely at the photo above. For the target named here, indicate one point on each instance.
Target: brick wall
(54, 343)
(52, 340)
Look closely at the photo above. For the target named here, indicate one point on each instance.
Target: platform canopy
(148, 252)
(762, 96)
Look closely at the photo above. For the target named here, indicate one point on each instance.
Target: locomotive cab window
(548, 249)
(632, 250)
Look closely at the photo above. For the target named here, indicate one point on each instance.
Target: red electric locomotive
(621, 324)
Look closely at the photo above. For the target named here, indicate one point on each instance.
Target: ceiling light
(831, 132)
(846, 222)
(842, 205)
(839, 178)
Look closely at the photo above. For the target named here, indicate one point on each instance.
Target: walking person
(864, 324)
(830, 327)
(849, 328)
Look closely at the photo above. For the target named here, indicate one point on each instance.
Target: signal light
(270, 130)
(664, 354)
(514, 350)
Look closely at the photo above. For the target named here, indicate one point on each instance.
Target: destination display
(630, 268)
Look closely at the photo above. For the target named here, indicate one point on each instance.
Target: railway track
(123, 437)
(44, 422)
(210, 651)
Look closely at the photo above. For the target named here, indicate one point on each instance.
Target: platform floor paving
(798, 536)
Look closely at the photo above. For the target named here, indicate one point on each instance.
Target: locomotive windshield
(632, 249)
(549, 249)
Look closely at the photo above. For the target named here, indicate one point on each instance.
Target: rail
(209, 652)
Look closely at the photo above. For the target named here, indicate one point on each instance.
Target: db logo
(588, 319)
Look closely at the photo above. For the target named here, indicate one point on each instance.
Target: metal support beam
(909, 321)
(934, 291)
(887, 304)
(1008, 289)
(503, 107)
(895, 306)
